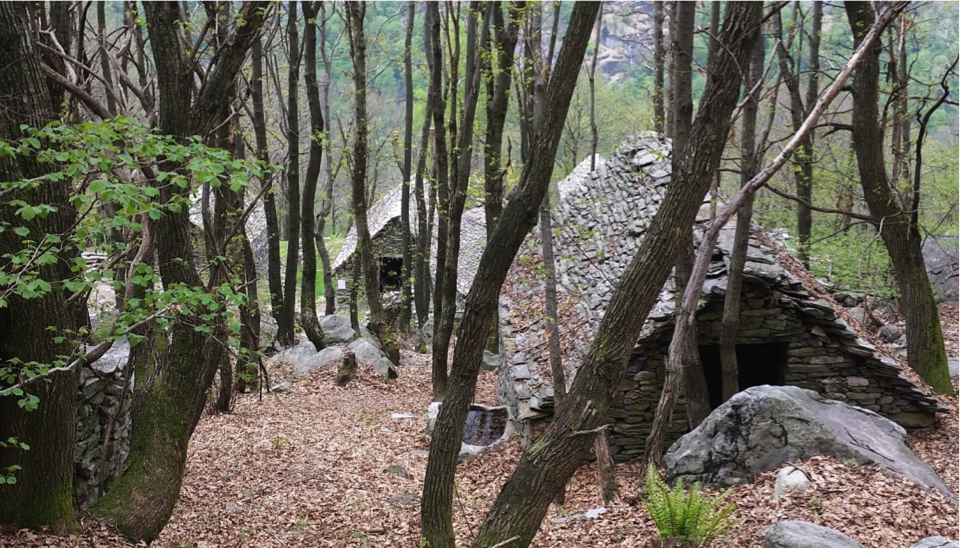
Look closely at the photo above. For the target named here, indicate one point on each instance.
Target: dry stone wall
(103, 426)
(603, 216)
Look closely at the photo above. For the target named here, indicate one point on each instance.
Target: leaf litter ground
(325, 466)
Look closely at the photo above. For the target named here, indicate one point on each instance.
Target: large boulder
(942, 259)
(936, 542)
(328, 357)
(763, 427)
(339, 335)
(332, 322)
(369, 354)
(796, 533)
(296, 355)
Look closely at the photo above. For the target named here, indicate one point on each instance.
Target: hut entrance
(390, 269)
(761, 364)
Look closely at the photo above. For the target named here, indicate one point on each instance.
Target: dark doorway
(761, 364)
(390, 269)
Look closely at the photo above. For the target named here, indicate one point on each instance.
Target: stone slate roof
(473, 235)
(603, 216)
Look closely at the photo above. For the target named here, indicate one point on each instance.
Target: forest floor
(326, 466)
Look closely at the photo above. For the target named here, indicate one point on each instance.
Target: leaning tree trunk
(925, 348)
(554, 457)
(42, 493)
(518, 218)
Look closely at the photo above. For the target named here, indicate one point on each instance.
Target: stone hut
(386, 232)
(787, 336)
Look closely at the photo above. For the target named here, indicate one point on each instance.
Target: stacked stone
(103, 426)
(602, 216)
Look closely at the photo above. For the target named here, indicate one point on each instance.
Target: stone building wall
(103, 426)
(602, 217)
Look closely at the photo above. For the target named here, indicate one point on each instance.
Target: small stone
(936, 542)
(397, 470)
(284, 387)
(789, 479)
(795, 533)
(889, 333)
(854, 381)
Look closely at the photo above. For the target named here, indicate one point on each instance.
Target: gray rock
(889, 333)
(424, 338)
(296, 355)
(385, 367)
(339, 335)
(366, 350)
(796, 533)
(113, 360)
(941, 256)
(332, 322)
(954, 365)
(789, 479)
(862, 316)
(432, 412)
(397, 470)
(331, 356)
(369, 354)
(937, 542)
(765, 426)
(284, 387)
(491, 362)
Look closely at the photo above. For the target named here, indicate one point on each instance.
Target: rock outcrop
(763, 427)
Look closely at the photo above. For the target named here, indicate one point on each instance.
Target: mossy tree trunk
(554, 457)
(42, 494)
(895, 221)
(141, 502)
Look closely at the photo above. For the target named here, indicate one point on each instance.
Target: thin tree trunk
(547, 464)
(274, 280)
(406, 297)
(730, 323)
(594, 131)
(925, 348)
(439, 356)
(694, 382)
(659, 53)
(308, 280)
(326, 208)
(286, 333)
(371, 275)
(422, 264)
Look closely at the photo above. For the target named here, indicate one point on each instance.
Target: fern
(689, 517)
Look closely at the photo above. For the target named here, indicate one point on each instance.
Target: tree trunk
(659, 53)
(421, 291)
(269, 201)
(42, 493)
(594, 131)
(285, 332)
(326, 208)
(555, 456)
(518, 218)
(406, 296)
(730, 323)
(439, 355)
(694, 382)
(925, 348)
(141, 502)
(804, 157)
(377, 320)
(308, 285)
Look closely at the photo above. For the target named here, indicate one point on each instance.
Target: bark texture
(925, 348)
(552, 459)
(42, 494)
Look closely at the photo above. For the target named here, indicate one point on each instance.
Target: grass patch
(334, 243)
